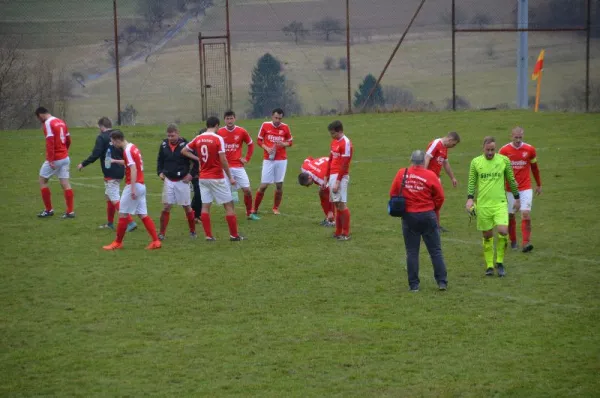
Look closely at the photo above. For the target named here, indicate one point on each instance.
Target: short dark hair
(104, 122)
(277, 110)
(228, 113)
(212, 121)
(41, 111)
(335, 126)
(488, 140)
(303, 179)
(202, 131)
(453, 135)
(117, 135)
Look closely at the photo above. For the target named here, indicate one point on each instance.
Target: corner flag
(539, 66)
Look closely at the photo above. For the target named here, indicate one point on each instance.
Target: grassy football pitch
(291, 312)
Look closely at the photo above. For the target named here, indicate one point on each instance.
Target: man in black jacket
(176, 171)
(113, 174)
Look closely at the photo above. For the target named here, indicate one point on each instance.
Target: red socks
(164, 221)
(121, 229)
(325, 204)
(338, 222)
(205, 218)
(526, 230)
(258, 199)
(110, 212)
(69, 200)
(232, 223)
(191, 221)
(277, 200)
(47, 198)
(512, 228)
(248, 203)
(150, 227)
(346, 222)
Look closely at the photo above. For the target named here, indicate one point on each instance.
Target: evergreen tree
(270, 89)
(376, 100)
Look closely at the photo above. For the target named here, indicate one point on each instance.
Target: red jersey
(317, 169)
(268, 135)
(233, 144)
(133, 157)
(208, 146)
(521, 159)
(422, 190)
(439, 154)
(340, 157)
(57, 137)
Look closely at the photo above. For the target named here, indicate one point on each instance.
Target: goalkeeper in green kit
(487, 175)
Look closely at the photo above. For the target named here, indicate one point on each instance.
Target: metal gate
(215, 77)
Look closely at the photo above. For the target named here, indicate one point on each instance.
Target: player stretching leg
(523, 159)
(313, 171)
(133, 198)
(274, 137)
(487, 175)
(176, 171)
(337, 175)
(234, 138)
(58, 141)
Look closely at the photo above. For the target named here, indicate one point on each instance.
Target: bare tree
(328, 27)
(295, 29)
(26, 84)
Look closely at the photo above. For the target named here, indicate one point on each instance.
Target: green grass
(291, 312)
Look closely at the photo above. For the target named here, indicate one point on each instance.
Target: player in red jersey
(313, 171)
(210, 148)
(58, 141)
(234, 137)
(436, 157)
(274, 137)
(133, 197)
(523, 159)
(338, 178)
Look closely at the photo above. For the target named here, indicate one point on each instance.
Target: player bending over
(313, 171)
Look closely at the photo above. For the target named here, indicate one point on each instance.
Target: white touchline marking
(80, 184)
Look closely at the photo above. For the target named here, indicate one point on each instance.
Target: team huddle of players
(215, 158)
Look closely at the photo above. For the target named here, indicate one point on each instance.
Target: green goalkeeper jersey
(488, 177)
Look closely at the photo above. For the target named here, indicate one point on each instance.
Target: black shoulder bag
(397, 204)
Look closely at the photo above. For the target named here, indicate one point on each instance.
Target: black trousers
(415, 226)
(197, 200)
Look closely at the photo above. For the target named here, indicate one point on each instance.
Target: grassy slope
(291, 312)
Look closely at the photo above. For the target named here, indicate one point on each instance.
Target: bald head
(516, 136)
(417, 158)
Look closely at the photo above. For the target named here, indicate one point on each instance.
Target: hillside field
(291, 312)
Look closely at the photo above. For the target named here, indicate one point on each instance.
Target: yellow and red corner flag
(539, 66)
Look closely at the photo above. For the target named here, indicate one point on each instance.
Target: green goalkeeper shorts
(490, 217)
